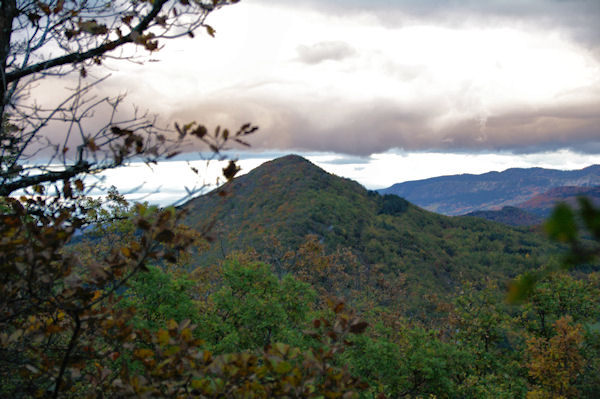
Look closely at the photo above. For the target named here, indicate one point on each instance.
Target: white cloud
(324, 51)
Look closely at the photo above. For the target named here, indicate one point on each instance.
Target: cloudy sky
(385, 91)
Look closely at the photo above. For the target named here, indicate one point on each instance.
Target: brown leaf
(127, 19)
(231, 170)
(67, 190)
(143, 224)
(151, 45)
(165, 236)
(44, 7)
(34, 18)
(200, 131)
(59, 6)
(91, 144)
(92, 27)
(359, 328)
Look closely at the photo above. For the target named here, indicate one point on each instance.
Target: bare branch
(49, 177)
(95, 52)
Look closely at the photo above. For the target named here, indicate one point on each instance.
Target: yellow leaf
(143, 353)
(172, 325)
(163, 337)
(186, 334)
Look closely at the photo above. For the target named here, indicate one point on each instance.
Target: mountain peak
(282, 177)
(287, 169)
(289, 160)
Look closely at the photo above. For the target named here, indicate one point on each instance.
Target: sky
(387, 91)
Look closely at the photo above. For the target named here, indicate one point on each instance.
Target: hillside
(534, 211)
(509, 215)
(282, 201)
(543, 204)
(461, 194)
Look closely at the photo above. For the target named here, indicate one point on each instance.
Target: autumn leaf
(231, 170)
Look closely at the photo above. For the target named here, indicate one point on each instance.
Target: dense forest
(286, 282)
(298, 283)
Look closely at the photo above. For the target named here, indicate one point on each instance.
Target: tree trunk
(8, 12)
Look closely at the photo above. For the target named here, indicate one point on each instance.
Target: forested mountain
(433, 288)
(461, 194)
(275, 207)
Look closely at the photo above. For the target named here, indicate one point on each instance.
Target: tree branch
(49, 177)
(63, 366)
(79, 57)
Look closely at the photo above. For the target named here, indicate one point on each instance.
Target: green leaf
(561, 225)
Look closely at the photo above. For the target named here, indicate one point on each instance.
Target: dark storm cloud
(323, 51)
(579, 18)
(378, 126)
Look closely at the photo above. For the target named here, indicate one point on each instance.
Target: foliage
(69, 329)
(174, 366)
(560, 295)
(568, 226)
(56, 310)
(393, 205)
(252, 309)
(61, 327)
(556, 362)
(332, 233)
(158, 296)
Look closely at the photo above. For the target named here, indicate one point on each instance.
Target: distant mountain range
(533, 190)
(415, 252)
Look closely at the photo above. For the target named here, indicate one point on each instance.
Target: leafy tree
(159, 296)
(58, 313)
(564, 351)
(253, 308)
(555, 363)
(488, 331)
(560, 295)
